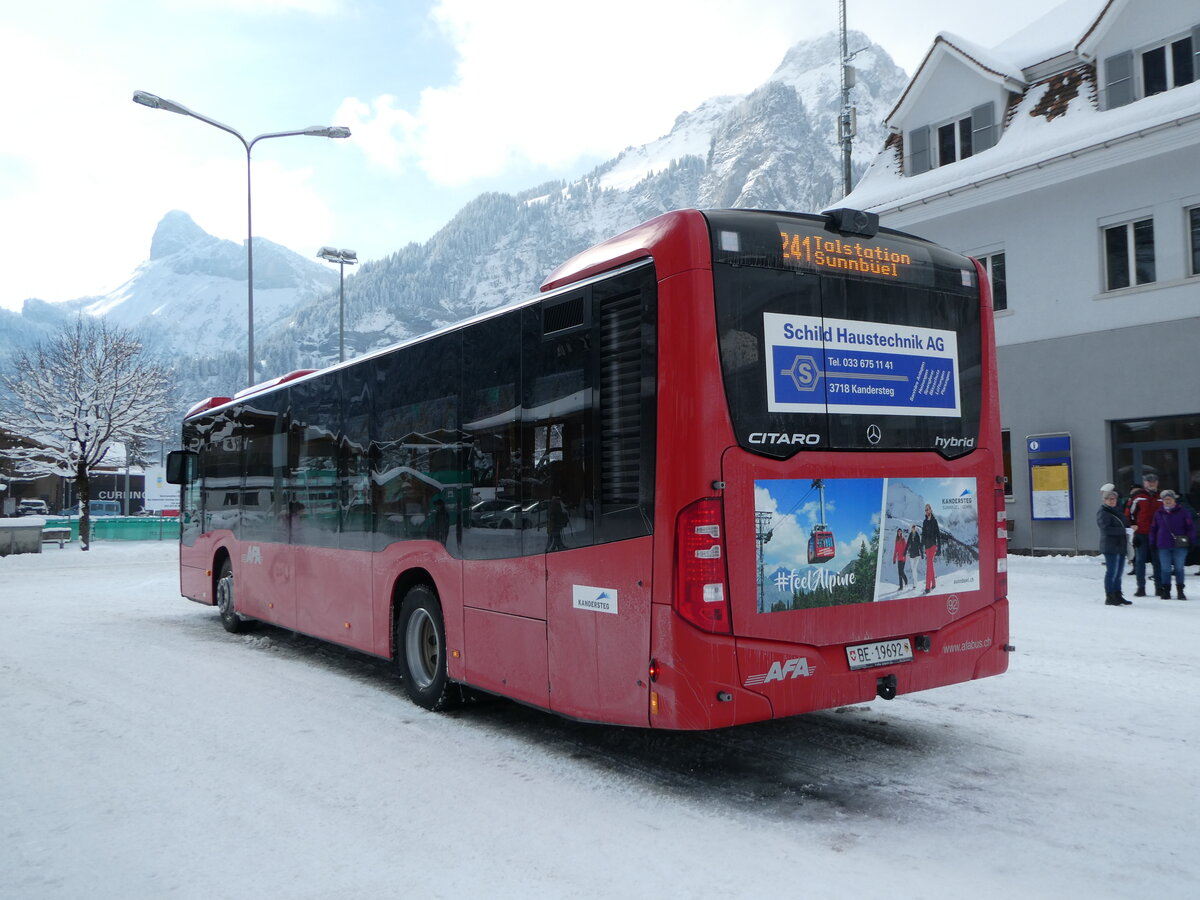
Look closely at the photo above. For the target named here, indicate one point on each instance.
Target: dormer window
(954, 141)
(1151, 70)
(965, 135)
(1168, 66)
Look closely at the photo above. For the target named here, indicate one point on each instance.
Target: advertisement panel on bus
(892, 538)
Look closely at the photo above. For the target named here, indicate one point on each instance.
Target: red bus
(599, 501)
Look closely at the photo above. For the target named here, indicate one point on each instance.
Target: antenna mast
(846, 121)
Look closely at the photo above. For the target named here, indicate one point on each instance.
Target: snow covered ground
(144, 752)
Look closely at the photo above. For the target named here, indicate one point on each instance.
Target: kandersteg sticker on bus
(594, 599)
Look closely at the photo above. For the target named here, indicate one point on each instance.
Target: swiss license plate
(880, 653)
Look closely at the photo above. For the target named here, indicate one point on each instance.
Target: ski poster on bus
(837, 541)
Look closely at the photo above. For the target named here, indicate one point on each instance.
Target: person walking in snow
(900, 557)
(1112, 546)
(1172, 532)
(1143, 504)
(1104, 489)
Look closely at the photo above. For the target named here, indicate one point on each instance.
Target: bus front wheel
(225, 600)
(419, 646)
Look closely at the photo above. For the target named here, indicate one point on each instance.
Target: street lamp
(327, 131)
(343, 258)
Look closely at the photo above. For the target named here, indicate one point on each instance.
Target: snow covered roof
(990, 65)
(1055, 117)
(1060, 30)
(1032, 140)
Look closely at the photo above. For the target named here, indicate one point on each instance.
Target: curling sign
(817, 365)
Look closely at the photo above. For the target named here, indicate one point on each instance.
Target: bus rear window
(845, 343)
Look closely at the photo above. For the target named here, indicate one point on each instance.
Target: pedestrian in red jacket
(1143, 504)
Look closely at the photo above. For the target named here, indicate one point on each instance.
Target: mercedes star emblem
(874, 435)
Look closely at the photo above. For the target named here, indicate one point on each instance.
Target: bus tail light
(1001, 546)
(701, 586)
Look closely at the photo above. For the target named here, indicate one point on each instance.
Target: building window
(993, 264)
(1167, 446)
(1194, 237)
(954, 141)
(930, 146)
(1151, 70)
(1129, 254)
(1168, 66)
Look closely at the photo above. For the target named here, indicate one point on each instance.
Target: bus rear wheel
(419, 646)
(225, 600)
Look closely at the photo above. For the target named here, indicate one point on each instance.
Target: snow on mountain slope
(774, 148)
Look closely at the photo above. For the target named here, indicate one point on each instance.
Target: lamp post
(343, 258)
(328, 131)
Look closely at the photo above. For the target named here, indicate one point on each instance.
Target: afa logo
(253, 555)
(782, 671)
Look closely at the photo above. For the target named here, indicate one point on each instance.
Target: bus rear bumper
(799, 678)
(715, 681)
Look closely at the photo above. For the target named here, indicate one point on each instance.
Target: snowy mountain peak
(821, 52)
(177, 231)
(195, 284)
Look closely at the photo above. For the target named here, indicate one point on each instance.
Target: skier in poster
(930, 536)
(900, 557)
(914, 550)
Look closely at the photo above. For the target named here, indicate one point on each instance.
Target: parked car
(494, 514)
(32, 507)
(533, 515)
(97, 508)
(507, 514)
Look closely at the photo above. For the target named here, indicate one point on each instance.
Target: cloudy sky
(445, 99)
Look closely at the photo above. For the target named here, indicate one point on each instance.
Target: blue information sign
(1060, 443)
(1050, 477)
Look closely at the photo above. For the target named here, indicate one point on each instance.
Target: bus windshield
(844, 343)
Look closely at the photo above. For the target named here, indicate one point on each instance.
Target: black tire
(419, 648)
(226, 601)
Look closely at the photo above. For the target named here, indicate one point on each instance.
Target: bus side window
(558, 493)
(354, 462)
(496, 457)
(312, 510)
(263, 430)
(416, 449)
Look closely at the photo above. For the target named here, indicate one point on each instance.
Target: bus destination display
(820, 252)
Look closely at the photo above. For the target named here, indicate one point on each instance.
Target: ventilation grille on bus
(620, 405)
(561, 316)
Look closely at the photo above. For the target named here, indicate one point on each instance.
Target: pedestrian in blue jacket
(1112, 546)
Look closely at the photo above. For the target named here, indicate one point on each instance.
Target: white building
(1067, 159)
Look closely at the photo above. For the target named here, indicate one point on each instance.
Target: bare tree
(77, 394)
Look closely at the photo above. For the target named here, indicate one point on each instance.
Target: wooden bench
(62, 535)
